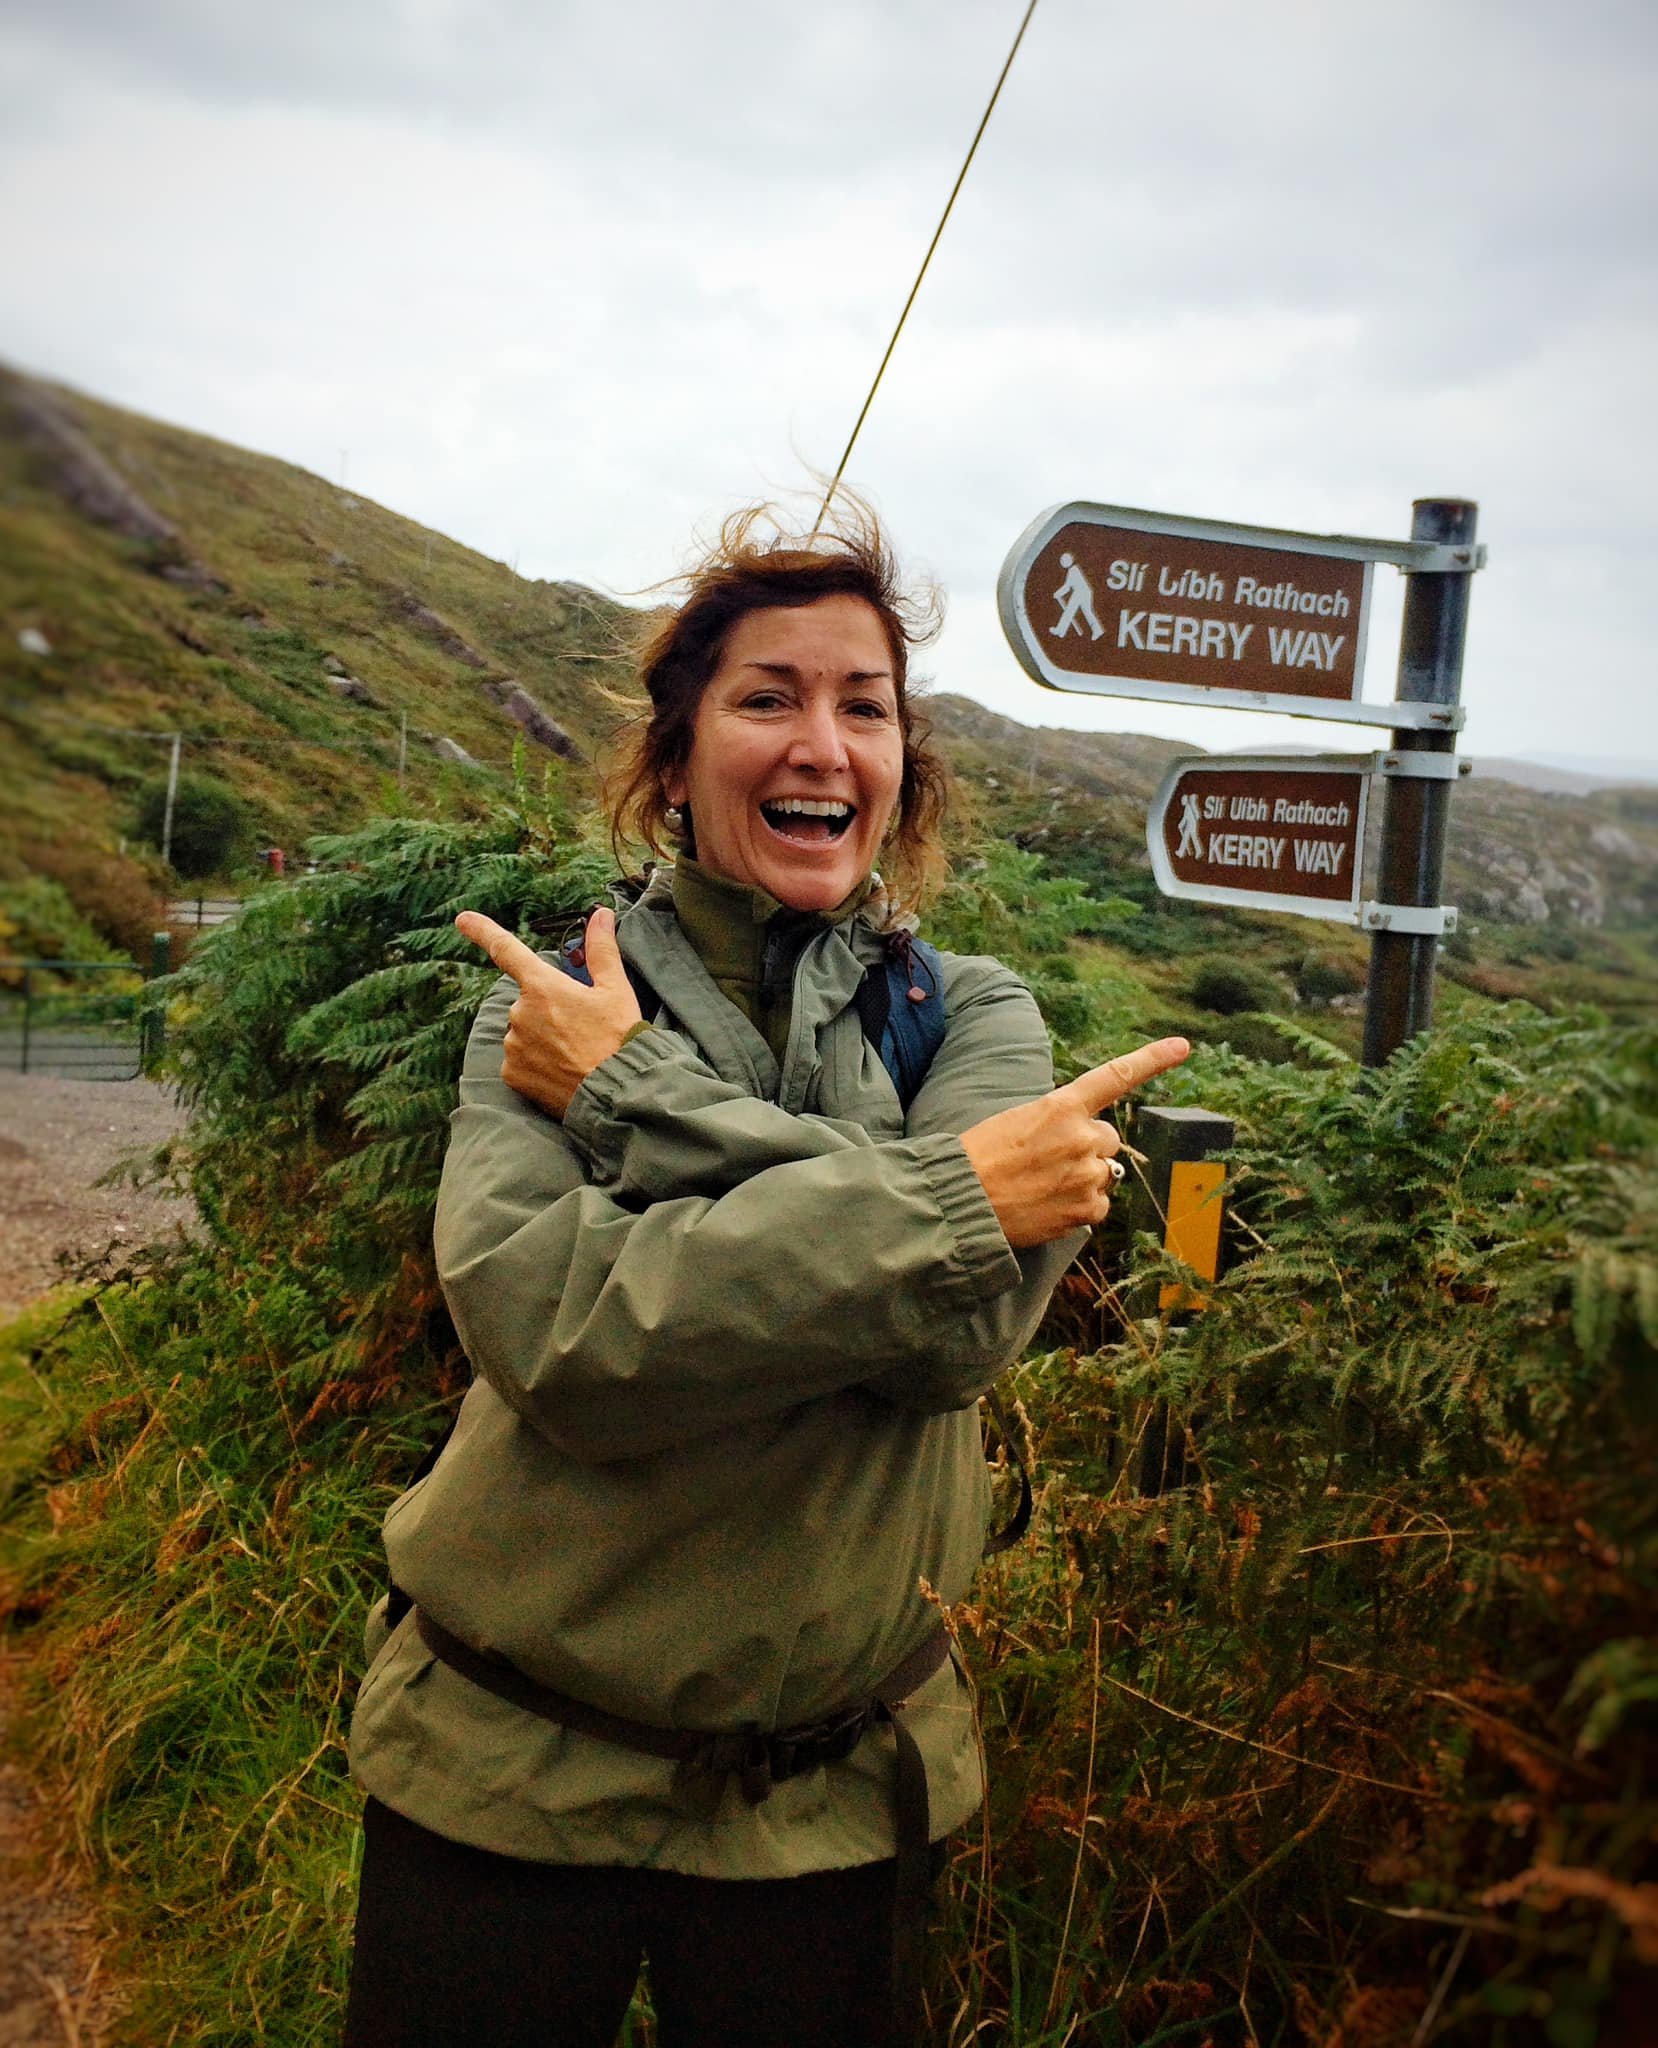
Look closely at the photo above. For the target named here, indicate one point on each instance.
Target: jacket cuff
(590, 1120)
(981, 1263)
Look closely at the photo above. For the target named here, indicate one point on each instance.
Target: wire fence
(83, 1020)
(197, 913)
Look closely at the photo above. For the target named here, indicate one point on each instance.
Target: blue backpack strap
(572, 957)
(902, 1006)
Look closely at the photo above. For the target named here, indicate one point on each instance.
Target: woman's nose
(817, 741)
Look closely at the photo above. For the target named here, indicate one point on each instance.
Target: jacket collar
(826, 978)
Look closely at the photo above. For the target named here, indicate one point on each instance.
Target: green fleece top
(730, 1321)
(747, 940)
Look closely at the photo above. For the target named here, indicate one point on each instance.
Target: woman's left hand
(558, 1030)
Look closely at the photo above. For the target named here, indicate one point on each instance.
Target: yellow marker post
(1178, 1196)
(1192, 1232)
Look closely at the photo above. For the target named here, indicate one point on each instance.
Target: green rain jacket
(730, 1322)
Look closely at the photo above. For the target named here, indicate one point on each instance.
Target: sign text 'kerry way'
(1272, 832)
(1103, 599)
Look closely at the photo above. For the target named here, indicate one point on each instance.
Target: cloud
(564, 281)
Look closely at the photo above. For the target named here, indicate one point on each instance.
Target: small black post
(1178, 1197)
(153, 1027)
(1399, 997)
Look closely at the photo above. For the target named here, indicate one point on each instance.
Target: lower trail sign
(1269, 832)
(1284, 832)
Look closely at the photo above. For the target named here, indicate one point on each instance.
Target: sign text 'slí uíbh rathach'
(1271, 832)
(1097, 603)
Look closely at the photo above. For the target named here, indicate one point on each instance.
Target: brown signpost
(1120, 602)
(1271, 832)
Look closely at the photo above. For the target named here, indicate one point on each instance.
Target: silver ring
(1117, 1171)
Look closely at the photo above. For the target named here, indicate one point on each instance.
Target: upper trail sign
(1125, 603)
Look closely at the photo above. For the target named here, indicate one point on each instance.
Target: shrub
(211, 823)
(1322, 976)
(112, 894)
(39, 921)
(1228, 986)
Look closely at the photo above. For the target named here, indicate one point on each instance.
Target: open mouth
(808, 821)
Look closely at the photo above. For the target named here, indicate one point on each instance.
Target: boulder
(437, 629)
(33, 641)
(88, 479)
(189, 574)
(537, 723)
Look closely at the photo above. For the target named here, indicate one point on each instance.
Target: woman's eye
(869, 707)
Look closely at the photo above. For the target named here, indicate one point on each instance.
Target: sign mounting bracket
(1422, 767)
(1419, 921)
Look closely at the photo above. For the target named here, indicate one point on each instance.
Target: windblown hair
(758, 563)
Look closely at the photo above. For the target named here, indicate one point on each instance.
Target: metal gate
(77, 1019)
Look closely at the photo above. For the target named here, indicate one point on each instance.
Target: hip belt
(757, 1761)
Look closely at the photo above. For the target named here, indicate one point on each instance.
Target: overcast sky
(568, 282)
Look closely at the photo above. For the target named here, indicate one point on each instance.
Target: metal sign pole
(1399, 997)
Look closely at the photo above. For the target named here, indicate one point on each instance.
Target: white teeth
(808, 807)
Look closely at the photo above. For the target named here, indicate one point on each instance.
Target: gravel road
(56, 1138)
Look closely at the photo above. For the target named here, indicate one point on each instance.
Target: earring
(673, 817)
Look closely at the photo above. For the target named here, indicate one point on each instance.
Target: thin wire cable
(26, 709)
(967, 161)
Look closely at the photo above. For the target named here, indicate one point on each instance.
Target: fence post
(28, 1000)
(1179, 1196)
(153, 1028)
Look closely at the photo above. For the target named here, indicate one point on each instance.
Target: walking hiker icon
(1075, 595)
(1191, 838)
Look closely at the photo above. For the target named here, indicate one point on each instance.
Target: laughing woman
(747, 1202)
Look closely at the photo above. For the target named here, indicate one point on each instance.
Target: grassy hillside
(294, 632)
(236, 601)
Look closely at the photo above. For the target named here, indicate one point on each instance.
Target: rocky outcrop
(88, 479)
(437, 629)
(90, 482)
(447, 749)
(1523, 857)
(537, 723)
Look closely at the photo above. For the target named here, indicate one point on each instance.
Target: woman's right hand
(1046, 1165)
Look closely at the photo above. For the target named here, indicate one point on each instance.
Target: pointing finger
(511, 955)
(1102, 1086)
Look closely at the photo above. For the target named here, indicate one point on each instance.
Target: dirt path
(56, 1138)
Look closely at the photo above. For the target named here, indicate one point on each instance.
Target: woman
(731, 1310)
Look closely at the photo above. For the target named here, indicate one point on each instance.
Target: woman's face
(797, 755)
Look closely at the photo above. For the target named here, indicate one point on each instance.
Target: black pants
(459, 1948)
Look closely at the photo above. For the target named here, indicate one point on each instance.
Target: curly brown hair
(756, 564)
